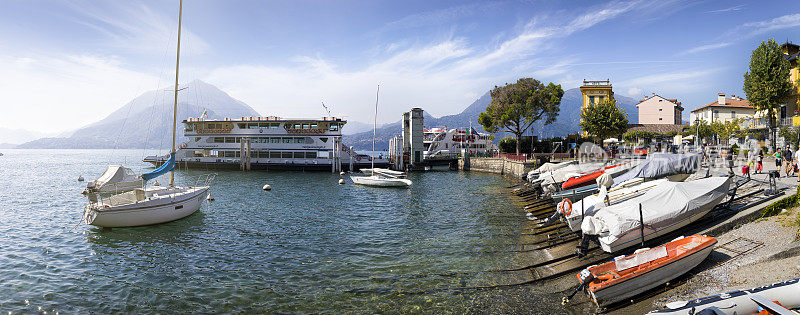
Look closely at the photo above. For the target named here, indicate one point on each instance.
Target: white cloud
(671, 82)
(441, 77)
(635, 92)
(760, 27)
(438, 17)
(706, 48)
(135, 27)
(730, 9)
(59, 93)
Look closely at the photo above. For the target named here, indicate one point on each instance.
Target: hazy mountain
(17, 136)
(565, 124)
(146, 121)
(354, 127)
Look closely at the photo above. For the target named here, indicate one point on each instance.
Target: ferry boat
(268, 143)
(441, 142)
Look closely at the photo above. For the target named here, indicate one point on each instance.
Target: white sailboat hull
(380, 181)
(150, 211)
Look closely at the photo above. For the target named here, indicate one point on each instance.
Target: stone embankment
(511, 168)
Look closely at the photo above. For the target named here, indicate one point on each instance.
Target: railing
(205, 179)
(515, 157)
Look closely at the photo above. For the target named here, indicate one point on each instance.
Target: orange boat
(588, 179)
(628, 276)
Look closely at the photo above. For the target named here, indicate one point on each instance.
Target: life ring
(344, 149)
(358, 158)
(565, 206)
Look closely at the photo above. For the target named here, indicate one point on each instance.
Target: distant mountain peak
(146, 121)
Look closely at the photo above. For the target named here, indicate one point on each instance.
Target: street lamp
(697, 126)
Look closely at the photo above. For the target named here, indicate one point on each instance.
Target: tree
(790, 135)
(507, 144)
(703, 128)
(727, 129)
(604, 119)
(515, 107)
(767, 83)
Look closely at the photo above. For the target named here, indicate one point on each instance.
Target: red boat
(588, 179)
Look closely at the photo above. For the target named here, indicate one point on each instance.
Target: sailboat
(380, 177)
(154, 204)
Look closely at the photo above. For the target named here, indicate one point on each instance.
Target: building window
(733, 114)
(660, 109)
(659, 118)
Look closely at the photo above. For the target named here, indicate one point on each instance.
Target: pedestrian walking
(760, 161)
(787, 161)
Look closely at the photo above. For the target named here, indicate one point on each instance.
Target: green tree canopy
(767, 81)
(703, 128)
(790, 135)
(726, 129)
(604, 119)
(515, 107)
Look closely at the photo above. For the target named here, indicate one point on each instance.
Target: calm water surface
(307, 246)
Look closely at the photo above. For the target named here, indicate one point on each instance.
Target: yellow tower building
(594, 92)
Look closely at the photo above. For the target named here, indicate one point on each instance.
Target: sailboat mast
(374, 127)
(175, 103)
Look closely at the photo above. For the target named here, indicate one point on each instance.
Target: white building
(722, 110)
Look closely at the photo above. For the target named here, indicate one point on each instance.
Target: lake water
(308, 246)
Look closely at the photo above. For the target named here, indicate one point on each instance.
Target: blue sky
(70, 63)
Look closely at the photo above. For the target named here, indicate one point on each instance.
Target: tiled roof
(673, 100)
(656, 128)
(729, 103)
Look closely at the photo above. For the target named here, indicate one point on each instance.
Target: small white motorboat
(749, 301)
(628, 276)
(663, 209)
(116, 179)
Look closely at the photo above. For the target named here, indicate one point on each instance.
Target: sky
(66, 64)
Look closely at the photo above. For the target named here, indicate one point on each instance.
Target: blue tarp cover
(166, 167)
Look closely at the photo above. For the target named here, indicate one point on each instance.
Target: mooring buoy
(341, 173)
(267, 187)
(209, 197)
(341, 181)
(80, 178)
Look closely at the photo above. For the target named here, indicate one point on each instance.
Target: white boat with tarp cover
(116, 179)
(661, 210)
(155, 204)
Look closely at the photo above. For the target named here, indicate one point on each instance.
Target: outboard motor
(586, 277)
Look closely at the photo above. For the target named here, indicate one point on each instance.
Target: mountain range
(146, 121)
(566, 123)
